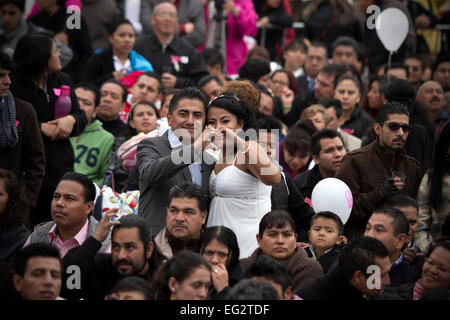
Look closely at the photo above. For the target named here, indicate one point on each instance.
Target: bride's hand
(208, 135)
(232, 139)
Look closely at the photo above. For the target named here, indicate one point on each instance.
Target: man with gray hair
(431, 95)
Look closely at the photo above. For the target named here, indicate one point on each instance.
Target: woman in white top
(118, 59)
(241, 181)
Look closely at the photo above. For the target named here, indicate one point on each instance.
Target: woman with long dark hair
(434, 282)
(220, 248)
(433, 196)
(243, 173)
(118, 59)
(294, 151)
(186, 276)
(37, 80)
(13, 232)
(53, 16)
(371, 101)
(353, 120)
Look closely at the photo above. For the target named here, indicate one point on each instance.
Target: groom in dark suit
(168, 160)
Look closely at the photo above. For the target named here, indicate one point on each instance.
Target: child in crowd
(326, 239)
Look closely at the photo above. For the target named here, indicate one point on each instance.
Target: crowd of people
(222, 142)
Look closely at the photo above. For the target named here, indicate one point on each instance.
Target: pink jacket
(244, 24)
(69, 3)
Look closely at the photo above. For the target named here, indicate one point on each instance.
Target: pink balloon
(349, 198)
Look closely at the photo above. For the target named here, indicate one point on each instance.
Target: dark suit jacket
(99, 67)
(158, 173)
(27, 158)
(303, 82)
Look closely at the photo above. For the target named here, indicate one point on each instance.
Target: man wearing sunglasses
(381, 169)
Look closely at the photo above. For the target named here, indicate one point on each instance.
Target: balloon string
(389, 66)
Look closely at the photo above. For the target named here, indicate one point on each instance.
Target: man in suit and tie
(316, 59)
(168, 160)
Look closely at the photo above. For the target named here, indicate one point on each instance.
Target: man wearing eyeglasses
(176, 60)
(381, 169)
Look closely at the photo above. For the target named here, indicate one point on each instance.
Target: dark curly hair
(16, 208)
(237, 105)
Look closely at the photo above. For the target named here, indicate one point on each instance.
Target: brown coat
(364, 170)
(27, 158)
(302, 268)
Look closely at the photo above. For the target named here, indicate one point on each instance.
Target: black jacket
(98, 275)
(99, 67)
(280, 20)
(59, 153)
(328, 259)
(234, 276)
(11, 242)
(416, 9)
(330, 286)
(304, 86)
(299, 104)
(27, 158)
(406, 292)
(419, 145)
(358, 124)
(306, 181)
(402, 273)
(115, 127)
(323, 28)
(285, 196)
(79, 38)
(191, 69)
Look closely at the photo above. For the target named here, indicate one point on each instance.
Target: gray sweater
(40, 233)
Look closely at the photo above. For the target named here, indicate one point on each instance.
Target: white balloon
(392, 27)
(333, 195)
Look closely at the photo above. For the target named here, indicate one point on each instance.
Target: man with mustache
(186, 215)
(131, 255)
(431, 95)
(381, 169)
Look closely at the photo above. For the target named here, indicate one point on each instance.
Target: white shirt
(118, 66)
(132, 12)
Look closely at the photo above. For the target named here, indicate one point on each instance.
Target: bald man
(174, 59)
